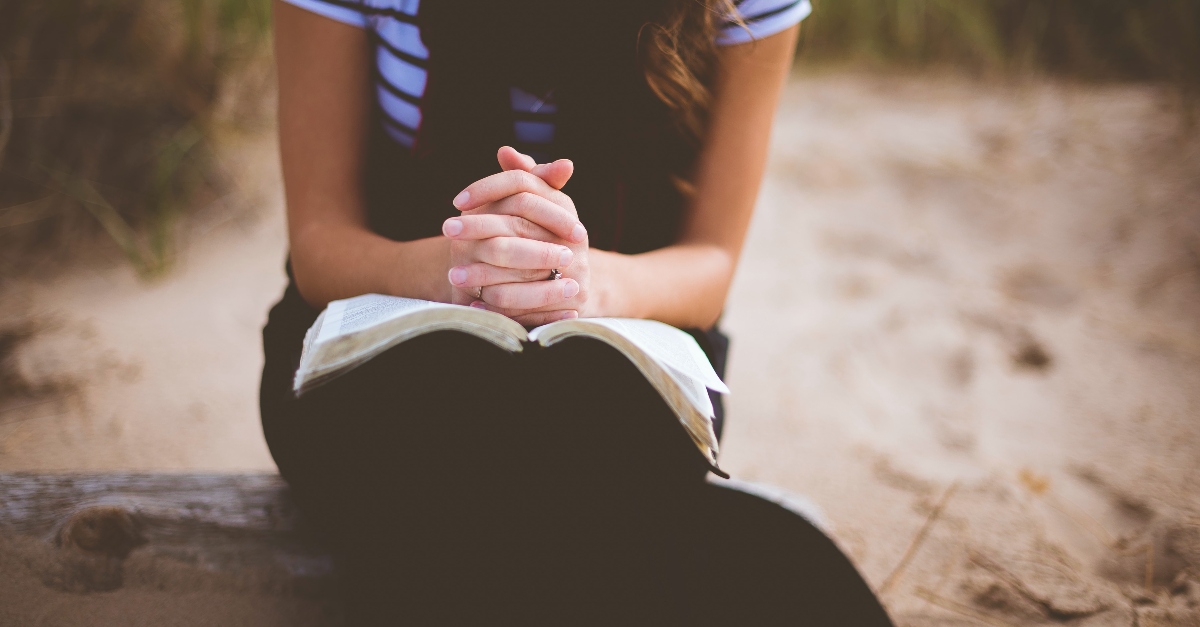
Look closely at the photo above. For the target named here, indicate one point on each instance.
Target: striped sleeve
(762, 18)
(344, 11)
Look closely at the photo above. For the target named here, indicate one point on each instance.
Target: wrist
(607, 299)
(417, 269)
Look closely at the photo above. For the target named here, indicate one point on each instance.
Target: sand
(966, 325)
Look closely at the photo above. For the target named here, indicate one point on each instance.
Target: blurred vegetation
(1085, 39)
(105, 110)
(107, 107)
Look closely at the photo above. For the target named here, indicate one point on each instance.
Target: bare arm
(324, 79)
(324, 72)
(686, 284)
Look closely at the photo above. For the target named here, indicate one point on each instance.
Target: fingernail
(567, 315)
(478, 304)
(452, 227)
(461, 199)
(564, 258)
(458, 275)
(570, 289)
(578, 233)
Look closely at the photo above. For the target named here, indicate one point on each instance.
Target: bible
(350, 332)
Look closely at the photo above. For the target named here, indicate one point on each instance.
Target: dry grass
(105, 110)
(107, 106)
(1090, 39)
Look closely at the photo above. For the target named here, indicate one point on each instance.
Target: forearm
(684, 285)
(334, 261)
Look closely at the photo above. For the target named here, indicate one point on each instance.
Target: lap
(461, 483)
(451, 414)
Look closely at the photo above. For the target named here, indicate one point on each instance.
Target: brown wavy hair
(678, 54)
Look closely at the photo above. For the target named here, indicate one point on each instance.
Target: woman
(456, 483)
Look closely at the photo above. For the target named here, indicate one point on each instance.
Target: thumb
(555, 174)
(510, 159)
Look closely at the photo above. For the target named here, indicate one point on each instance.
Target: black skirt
(461, 484)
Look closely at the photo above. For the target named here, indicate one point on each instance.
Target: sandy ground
(123, 373)
(966, 325)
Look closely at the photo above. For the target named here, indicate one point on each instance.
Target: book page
(695, 391)
(670, 360)
(343, 317)
(352, 331)
(667, 345)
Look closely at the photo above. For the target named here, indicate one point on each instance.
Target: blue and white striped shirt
(401, 59)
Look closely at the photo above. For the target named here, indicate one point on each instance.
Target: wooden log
(220, 522)
(175, 534)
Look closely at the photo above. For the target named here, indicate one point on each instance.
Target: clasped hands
(517, 227)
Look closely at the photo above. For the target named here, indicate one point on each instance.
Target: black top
(616, 131)
(607, 121)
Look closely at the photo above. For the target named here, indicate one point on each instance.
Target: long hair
(678, 54)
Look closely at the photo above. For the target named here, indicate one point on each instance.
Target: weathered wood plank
(185, 549)
(217, 522)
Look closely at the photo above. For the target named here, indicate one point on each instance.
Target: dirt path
(122, 373)
(991, 288)
(967, 325)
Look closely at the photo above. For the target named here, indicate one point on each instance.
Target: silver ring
(554, 275)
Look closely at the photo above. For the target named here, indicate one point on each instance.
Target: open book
(350, 332)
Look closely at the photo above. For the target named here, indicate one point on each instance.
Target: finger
(521, 253)
(512, 159)
(532, 318)
(480, 274)
(572, 303)
(485, 225)
(535, 295)
(504, 184)
(541, 212)
(545, 317)
(555, 174)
